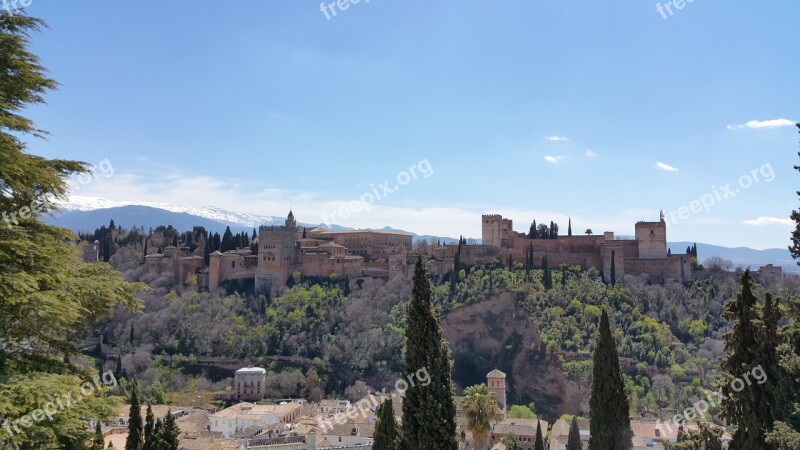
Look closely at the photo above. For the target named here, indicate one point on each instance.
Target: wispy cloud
(591, 154)
(553, 159)
(556, 138)
(763, 124)
(764, 221)
(666, 167)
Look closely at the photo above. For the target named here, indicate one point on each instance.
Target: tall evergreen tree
(749, 406)
(539, 444)
(574, 439)
(429, 413)
(794, 249)
(168, 433)
(149, 429)
(98, 441)
(569, 227)
(609, 411)
(135, 440)
(385, 437)
(47, 297)
(532, 231)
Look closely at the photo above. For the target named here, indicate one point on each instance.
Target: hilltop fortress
(280, 252)
(645, 254)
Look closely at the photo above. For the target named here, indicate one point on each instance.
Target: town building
(249, 383)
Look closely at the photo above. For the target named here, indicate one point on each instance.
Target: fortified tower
(494, 227)
(278, 255)
(652, 239)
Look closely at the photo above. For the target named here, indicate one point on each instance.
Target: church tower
(496, 381)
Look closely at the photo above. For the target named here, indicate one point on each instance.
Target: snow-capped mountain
(81, 203)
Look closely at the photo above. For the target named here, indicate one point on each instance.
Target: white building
(245, 415)
(248, 383)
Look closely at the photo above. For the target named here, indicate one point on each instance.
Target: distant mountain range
(89, 213)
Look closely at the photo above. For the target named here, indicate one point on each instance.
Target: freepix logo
(12, 7)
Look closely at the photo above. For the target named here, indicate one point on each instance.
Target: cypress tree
(749, 343)
(609, 411)
(135, 439)
(253, 237)
(569, 228)
(149, 429)
(794, 249)
(99, 440)
(385, 437)
(535, 233)
(429, 412)
(539, 445)
(574, 440)
(168, 433)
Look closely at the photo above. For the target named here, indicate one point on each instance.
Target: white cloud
(764, 221)
(591, 154)
(666, 167)
(556, 138)
(763, 124)
(553, 159)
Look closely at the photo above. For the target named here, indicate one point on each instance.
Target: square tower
(652, 239)
(496, 382)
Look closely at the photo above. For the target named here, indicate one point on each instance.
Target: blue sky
(531, 109)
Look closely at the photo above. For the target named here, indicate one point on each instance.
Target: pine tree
(254, 235)
(609, 411)
(574, 439)
(532, 231)
(539, 443)
(135, 440)
(569, 227)
(749, 344)
(385, 437)
(535, 233)
(149, 429)
(429, 412)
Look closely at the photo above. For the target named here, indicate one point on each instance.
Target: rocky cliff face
(497, 334)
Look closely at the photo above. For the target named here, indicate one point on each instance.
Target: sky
(424, 115)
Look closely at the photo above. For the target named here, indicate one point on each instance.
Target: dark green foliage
(569, 228)
(539, 443)
(429, 412)
(609, 410)
(227, 241)
(149, 429)
(98, 441)
(574, 439)
(385, 437)
(135, 440)
(750, 343)
(795, 247)
(533, 233)
(168, 432)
